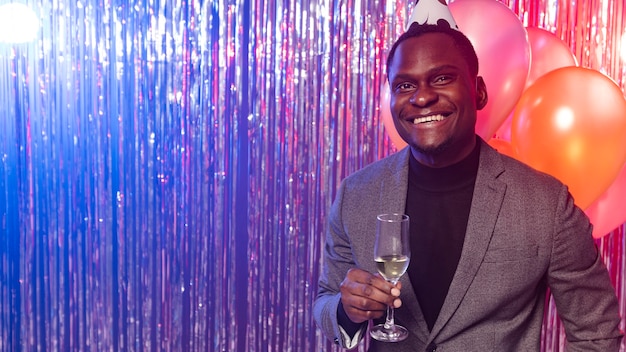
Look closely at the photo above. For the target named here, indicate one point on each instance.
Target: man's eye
(403, 87)
(442, 79)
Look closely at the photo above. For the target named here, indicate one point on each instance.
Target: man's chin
(430, 149)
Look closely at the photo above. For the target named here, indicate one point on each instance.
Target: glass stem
(389, 321)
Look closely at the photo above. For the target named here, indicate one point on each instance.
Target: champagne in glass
(392, 267)
(392, 253)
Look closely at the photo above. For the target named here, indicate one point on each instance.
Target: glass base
(394, 333)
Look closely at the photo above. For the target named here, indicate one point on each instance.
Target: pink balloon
(501, 43)
(385, 113)
(504, 131)
(608, 211)
(548, 53)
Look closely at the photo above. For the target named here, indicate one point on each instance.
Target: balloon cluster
(545, 110)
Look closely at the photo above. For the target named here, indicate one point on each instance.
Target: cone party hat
(435, 12)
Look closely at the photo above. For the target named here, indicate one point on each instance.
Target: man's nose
(423, 96)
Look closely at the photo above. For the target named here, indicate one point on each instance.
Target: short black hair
(461, 42)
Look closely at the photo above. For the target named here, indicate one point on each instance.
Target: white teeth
(428, 119)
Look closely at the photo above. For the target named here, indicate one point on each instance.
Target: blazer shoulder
(387, 167)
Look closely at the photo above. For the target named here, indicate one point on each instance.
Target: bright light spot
(564, 118)
(18, 23)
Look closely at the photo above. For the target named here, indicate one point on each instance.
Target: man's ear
(481, 93)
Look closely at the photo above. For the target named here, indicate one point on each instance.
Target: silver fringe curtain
(166, 166)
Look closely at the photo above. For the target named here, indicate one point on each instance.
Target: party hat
(434, 12)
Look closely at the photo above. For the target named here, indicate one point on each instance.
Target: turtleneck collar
(446, 178)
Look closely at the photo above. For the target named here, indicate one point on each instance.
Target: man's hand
(365, 296)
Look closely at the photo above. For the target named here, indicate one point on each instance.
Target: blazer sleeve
(580, 284)
(337, 260)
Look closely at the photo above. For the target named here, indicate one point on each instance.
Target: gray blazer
(524, 235)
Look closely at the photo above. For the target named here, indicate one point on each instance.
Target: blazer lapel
(488, 196)
(393, 192)
(394, 185)
(418, 325)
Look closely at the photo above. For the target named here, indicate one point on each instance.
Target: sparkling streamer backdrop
(167, 165)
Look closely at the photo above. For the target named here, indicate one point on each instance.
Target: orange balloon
(503, 147)
(571, 124)
(608, 212)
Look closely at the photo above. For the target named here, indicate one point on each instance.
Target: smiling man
(489, 235)
(435, 94)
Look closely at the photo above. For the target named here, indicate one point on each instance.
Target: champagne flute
(391, 254)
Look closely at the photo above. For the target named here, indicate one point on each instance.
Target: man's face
(434, 98)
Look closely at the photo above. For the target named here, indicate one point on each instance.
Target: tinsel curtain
(166, 167)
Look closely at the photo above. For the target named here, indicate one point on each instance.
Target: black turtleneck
(438, 204)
